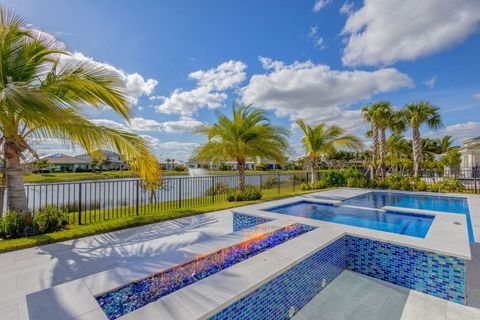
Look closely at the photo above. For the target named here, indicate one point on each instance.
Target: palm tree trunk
(313, 168)
(16, 198)
(2, 186)
(374, 150)
(383, 142)
(417, 151)
(241, 174)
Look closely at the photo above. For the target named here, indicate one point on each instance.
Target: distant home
(60, 163)
(108, 160)
(470, 154)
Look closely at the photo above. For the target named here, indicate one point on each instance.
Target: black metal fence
(469, 178)
(91, 201)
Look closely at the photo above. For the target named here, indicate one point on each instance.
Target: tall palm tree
(446, 143)
(369, 114)
(386, 118)
(322, 140)
(43, 97)
(248, 135)
(416, 115)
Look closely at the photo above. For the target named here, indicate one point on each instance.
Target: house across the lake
(107, 160)
(60, 163)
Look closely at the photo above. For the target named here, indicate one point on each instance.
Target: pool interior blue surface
(401, 223)
(377, 199)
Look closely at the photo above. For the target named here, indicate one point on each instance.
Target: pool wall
(437, 275)
(243, 221)
(294, 287)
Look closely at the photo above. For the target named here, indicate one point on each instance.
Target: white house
(470, 155)
(109, 160)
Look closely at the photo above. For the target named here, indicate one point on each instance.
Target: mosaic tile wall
(244, 221)
(295, 287)
(434, 274)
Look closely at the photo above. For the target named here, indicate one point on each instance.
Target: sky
(320, 60)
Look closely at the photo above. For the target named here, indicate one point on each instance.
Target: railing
(469, 178)
(91, 201)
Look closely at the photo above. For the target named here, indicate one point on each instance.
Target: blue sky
(316, 59)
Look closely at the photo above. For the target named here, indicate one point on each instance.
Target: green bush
(399, 182)
(319, 184)
(270, 182)
(250, 193)
(50, 219)
(15, 225)
(420, 185)
(334, 178)
(355, 178)
(447, 185)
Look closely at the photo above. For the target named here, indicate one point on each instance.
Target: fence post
(179, 192)
(293, 177)
(213, 188)
(475, 178)
(137, 197)
(278, 182)
(261, 181)
(79, 203)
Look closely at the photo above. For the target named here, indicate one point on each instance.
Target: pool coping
(208, 296)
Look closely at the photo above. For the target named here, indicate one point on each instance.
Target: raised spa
(415, 225)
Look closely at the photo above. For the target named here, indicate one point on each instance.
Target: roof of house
(471, 143)
(59, 158)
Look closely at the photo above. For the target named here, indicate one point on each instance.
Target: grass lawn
(78, 176)
(78, 231)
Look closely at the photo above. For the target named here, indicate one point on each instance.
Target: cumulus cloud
(184, 124)
(179, 145)
(385, 31)
(209, 91)
(319, 4)
(142, 124)
(347, 8)
(317, 93)
(110, 124)
(135, 84)
(462, 131)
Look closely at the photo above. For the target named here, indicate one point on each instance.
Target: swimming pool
(395, 222)
(376, 199)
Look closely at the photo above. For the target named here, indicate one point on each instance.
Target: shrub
(250, 193)
(50, 219)
(270, 182)
(15, 225)
(447, 185)
(399, 182)
(319, 184)
(420, 185)
(355, 178)
(334, 178)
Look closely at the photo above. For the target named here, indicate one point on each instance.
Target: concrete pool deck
(25, 274)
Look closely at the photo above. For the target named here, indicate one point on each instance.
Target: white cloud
(179, 145)
(476, 97)
(184, 124)
(110, 124)
(315, 37)
(209, 91)
(430, 82)
(224, 76)
(347, 8)
(319, 4)
(463, 131)
(318, 93)
(135, 84)
(385, 31)
(142, 124)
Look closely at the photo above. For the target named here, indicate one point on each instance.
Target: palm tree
(369, 114)
(416, 115)
(322, 140)
(445, 144)
(247, 135)
(42, 97)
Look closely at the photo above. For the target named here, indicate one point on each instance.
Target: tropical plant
(322, 140)
(416, 115)
(369, 114)
(41, 164)
(385, 119)
(247, 135)
(43, 95)
(445, 144)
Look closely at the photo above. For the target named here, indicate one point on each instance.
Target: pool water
(377, 199)
(395, 222)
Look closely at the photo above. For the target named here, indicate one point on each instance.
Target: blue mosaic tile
(243, 221)
(438, 275)
(295, 287)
